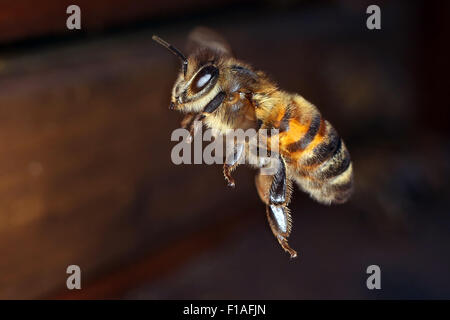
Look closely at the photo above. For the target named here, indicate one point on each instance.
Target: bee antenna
(174, 50)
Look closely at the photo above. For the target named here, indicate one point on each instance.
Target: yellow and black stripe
(318, 158)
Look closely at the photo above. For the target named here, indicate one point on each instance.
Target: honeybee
(225, 93)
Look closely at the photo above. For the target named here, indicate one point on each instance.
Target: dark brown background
(86, 176)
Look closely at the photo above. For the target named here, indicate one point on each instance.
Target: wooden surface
(86, 173)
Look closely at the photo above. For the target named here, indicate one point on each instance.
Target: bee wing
(205, 37)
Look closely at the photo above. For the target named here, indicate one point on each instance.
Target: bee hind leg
(275, 192)
(280, 223)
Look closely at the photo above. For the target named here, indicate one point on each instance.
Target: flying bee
(225, 93)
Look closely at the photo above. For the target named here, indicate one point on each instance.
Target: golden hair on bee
(225, 93)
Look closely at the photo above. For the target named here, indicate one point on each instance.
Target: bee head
(197, 83)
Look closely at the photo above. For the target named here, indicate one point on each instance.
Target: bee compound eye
(203, 77)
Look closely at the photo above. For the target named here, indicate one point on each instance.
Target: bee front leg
(275, 192)
(231, 162)
(189, 122)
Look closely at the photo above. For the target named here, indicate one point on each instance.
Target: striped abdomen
(316, 155)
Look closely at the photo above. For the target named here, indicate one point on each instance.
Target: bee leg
(280, 223)
(189, 121)
(231, 163)
(275, 192)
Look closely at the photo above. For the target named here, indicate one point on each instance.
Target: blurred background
(86, 176)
